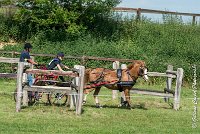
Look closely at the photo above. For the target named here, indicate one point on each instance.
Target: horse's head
(139, 68)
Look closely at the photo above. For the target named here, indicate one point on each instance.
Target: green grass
(150, 115)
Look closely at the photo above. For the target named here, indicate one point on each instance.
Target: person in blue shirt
(56, 63)
(25, 57)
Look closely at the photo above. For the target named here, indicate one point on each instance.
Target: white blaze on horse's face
(145, 74)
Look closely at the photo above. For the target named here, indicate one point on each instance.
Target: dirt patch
(2, 44)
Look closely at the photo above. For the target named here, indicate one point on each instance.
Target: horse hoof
(84, 102)
(130, 108)
(98, 105)
(120, 105)
(123, 104)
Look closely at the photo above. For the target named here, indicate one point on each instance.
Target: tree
(7, 2)
(72, 16)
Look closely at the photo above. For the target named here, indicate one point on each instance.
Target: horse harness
(120, 84)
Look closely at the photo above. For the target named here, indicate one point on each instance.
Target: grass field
(150, 115)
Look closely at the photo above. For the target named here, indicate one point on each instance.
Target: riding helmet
(60, 54)
(27, 46)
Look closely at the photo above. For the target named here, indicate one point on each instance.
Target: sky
(186, 6)
(191, 6)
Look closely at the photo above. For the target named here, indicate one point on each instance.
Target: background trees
(69, 16)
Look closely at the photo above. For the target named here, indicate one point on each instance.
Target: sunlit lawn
(150, 115)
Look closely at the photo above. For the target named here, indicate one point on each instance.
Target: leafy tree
(6, 2)
(70, 16)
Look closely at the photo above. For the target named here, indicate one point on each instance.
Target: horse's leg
(127, 96)
(96, 92)
(86, 92)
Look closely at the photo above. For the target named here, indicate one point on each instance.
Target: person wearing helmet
(56, 63)
(25, 56)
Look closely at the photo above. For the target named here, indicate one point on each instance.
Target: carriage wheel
(57, 98)
(31, 98)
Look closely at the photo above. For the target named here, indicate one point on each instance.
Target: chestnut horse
(122, 80)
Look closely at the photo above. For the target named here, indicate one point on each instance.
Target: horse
(121, 79)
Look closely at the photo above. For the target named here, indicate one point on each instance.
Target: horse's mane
(131, 65)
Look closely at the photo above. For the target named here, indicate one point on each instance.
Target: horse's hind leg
(96, 92)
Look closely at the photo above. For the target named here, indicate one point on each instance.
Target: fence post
(19, 86)
(115, 92)
(138, 17)
(83, 60)
(12, 63)
(74, 97)
(193, 20)
(80, 89)
(178, 88)
(169, 81)
(123, 66)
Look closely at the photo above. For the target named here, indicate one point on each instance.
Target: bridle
(141, 71)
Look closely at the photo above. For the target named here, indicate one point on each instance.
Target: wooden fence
(83, 59)
(77, 98)
(9, 10)
(167, 92)
(139, 12)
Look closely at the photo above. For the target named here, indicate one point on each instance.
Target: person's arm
(27, 58)
(59, 67)
(65, 66)
(32, 62)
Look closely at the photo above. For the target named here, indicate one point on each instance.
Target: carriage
(52, 98)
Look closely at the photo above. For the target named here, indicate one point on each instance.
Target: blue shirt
(52, 65)
(24, 56)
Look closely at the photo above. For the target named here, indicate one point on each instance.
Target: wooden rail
(139, 11)
(8, 75)
(52, 72)
(9, 60)
(150, 92)
(82, 58)
(161, 74)
(79, 82)
(167, 92)
(78, 75)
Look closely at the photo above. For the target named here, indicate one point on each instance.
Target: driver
(56, 63)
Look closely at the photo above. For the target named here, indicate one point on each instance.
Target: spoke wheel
(57, 98)
(31, 98)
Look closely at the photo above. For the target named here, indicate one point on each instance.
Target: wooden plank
(52, 72)
(109, 59)
(19, 86)
(115, 92)
(81, 84)
(49, 89)
(157, 74)
(74, 57)
(9, 60)
(123, 98)
(150, 92)
(178, 88)
(169, 81)
(8, 75)
(124, 9)
(171, 72)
